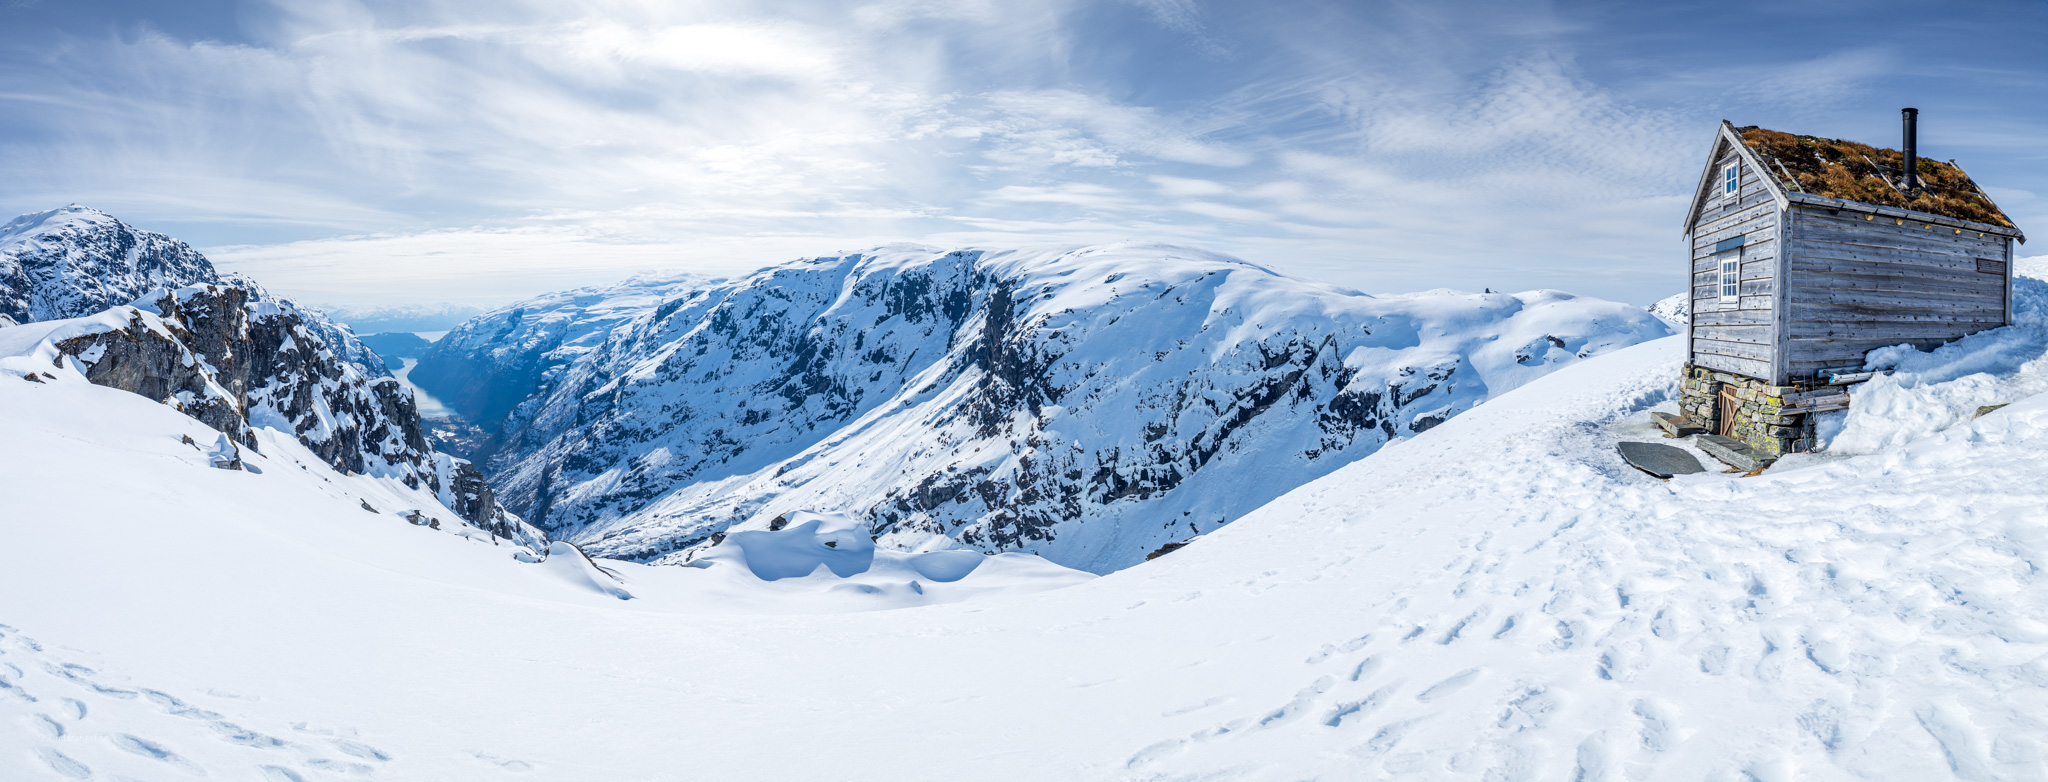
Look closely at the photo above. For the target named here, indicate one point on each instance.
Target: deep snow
(1496, 598)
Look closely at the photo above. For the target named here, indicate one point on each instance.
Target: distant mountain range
(405, 317)
(397, 344)
(1089, 404)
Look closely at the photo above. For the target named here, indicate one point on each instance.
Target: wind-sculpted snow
(239, 364)
(1088, 405)
(77, 261)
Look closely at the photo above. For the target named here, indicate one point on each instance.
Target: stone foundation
(1761, 421)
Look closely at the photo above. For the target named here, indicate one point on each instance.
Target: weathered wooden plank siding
(1736, 336)
(1760, 352)
(1741, 366)
(1855, 284)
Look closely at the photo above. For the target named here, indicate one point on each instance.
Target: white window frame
(1731, 181)
(1730, 277)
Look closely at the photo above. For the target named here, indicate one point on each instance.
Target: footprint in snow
(44, 724)
(361, 750)
(508, 764)
(64, 766)
(172, 706)
(339, 766)
(1454, 683)
(154, 751)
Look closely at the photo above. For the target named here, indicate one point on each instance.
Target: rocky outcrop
(234, 362)
(1088, 405)
(77, 261)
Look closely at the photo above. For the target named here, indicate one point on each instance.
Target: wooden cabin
(1807, 253)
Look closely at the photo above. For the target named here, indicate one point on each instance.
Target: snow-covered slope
(76, 261)
(1675, 309)
(1089, 405)
(239, 365)
(1495, 598)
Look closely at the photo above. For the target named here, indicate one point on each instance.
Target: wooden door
(1728, 408)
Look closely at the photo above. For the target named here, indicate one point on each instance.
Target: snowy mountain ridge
(1498, 598)
(240, 364)
(76, 261)
(1087, 404)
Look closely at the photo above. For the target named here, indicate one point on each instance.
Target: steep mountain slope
(1089, 405)
(498, 360)
(1498, 598)
(76, 261)
(239, 365)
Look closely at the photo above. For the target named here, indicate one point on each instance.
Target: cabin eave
(1927, 218)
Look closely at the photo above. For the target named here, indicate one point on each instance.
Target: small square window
(1731, 277)
(1731, 181)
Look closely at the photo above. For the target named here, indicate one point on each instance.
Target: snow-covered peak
(71, 218)
(1089, 404)
(76, 260)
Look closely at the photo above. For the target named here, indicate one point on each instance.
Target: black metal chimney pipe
(1912, 118)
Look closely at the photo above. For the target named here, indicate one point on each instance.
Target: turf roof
(1844, 169)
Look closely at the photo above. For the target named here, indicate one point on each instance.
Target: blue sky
(359, 154)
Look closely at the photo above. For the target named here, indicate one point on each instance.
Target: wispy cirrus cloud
(371, 150)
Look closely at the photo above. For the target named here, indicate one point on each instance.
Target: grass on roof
(1843, 169)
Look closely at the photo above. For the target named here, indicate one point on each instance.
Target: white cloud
(484, 149)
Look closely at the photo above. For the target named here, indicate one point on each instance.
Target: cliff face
(1088, 405)
(234, 362)
(77, 261)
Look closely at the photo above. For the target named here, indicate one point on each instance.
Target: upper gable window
(1731, 181)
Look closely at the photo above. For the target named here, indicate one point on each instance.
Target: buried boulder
(832, 549)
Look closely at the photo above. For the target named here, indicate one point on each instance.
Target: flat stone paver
(1675, 425)
(1662, 461)
(1735, 452)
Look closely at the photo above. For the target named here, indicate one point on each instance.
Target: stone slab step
(1662, 461)
(1735, 452)
(1675, 425)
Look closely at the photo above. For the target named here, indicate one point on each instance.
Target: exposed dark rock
(226, 360)
(78, 261)
(1167, 549)
(1007, 404)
